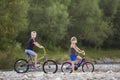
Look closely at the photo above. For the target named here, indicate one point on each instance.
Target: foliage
(96, 23)
(7, 58)
(13, 19)
(87, 22)
(49, 19)
(111, 11)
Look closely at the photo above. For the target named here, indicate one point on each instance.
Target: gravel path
(102, 72)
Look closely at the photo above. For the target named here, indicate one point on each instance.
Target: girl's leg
(73, 59)
(73, 65)
(79, 58)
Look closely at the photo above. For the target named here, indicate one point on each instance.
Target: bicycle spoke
(88, 67)
(66, 67)
(21, 66)
(50, 66)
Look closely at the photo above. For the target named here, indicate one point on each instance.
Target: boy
(30, 45)
(74, 50)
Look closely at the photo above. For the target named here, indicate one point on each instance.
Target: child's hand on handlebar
(83, 52)
(41, 46)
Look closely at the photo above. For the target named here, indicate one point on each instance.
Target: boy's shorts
(30, 52)
(73, 57)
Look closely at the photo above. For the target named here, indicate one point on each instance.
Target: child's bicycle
(86, 66)
(23, 65)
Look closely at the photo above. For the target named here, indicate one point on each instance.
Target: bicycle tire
(88, 67)
(66, 67)
(49, 65)
(21, 66)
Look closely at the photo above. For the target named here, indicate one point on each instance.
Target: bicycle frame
(44, 55)
(86, 66)
(83, 61)
(39, 58)
(23, 65)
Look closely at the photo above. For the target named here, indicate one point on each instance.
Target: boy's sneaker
(33, 67)
(37, 65)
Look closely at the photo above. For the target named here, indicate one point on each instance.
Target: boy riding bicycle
(29, 49)
(74, 50)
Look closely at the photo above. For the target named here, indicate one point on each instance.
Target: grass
(91, 54)
(100, 54)
(8, 58)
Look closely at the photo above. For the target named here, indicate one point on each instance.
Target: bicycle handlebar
(44, 54)
(83, 55)
(44, 50)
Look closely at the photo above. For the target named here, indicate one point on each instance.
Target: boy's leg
(35, 58)
(31, 52)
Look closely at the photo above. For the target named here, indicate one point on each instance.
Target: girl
(74, 50)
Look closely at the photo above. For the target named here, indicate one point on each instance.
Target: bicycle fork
(85, 62)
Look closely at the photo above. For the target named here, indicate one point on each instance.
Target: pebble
(102, 72)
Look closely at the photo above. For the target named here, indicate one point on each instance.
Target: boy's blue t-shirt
(30, 44)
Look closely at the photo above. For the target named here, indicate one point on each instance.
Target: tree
(109, 8)
(87, 23)
(12, 20)
(49, 18)
(111, 15)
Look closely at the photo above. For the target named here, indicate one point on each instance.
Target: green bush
(8, 57)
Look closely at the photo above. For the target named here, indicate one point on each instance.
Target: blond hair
(33, 32)
(73, 38)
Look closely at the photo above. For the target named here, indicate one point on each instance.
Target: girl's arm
(78, 50)
(38, 45)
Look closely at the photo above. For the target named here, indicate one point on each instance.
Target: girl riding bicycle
(30, 45)
(74, 50)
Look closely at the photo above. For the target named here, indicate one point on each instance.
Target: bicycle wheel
(88, 67)
(50, 66)
(21, 66)
(66, 67)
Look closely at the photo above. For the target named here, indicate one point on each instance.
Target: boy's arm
(38, 45)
